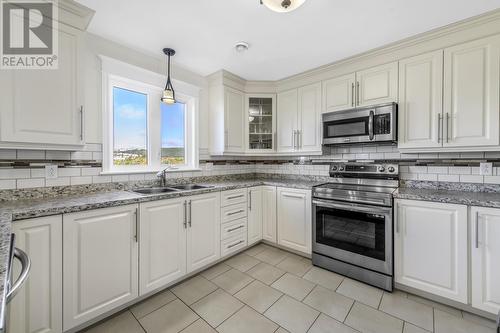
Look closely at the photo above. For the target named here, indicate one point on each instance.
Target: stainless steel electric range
(352, 222)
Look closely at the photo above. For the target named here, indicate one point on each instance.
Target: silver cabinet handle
(81, 122)
(352, 94)
(370, 125)
(236, 196)
(477, 230)
(250, 200)
(235, 244)
(190, 212)
(236, 212)
(233, 229)
(136, 213)
(447, 127)
(440, 126)
(299, 139)
(358, 93)
(294, 139)
(185, 215)
(25, 269)
(293, 196)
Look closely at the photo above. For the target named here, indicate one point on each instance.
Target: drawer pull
(236, 196)
(235, 244)
(237, 212)
(233, 229)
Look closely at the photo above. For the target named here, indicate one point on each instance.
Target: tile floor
(265, 289)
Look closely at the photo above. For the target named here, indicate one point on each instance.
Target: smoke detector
(241, 47)
(282, 6)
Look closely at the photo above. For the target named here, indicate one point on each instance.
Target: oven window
(356, 232)
(345, 128)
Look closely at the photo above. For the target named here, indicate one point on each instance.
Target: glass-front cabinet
(261, 125)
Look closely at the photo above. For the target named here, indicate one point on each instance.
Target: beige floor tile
(247, 320)
(121, 323)
(272, 256)
(265, 273)
(446, 323)
(258, 295)
(479, 320)
(324, 278)
(409, 328)
(291, 314)
(253, 251)
(232, 281)
(171, 318)
(293, 286)
(367, 319)
(325, 324)
(217, 307)
(408, 310)
(446, 308)
(361, 292)
(242, 262)
(152, 303)
(193, 289)
(400, 293)
(215, 271)
(281, 330)
(199, 326)
(295, 264)
(329, 302)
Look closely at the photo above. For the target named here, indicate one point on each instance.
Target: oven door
(356, 234)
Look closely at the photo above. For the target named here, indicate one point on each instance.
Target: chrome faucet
(162, 175)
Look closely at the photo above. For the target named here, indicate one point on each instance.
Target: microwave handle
(370, 125)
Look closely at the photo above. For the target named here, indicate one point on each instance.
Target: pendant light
(169, 93)
(282, 6)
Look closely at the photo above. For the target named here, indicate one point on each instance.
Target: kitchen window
(141, 133)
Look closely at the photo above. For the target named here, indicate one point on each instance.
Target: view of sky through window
(173, 133)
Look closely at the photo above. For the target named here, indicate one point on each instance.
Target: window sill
(126, 172)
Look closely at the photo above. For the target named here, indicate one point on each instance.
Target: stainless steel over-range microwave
(371, 124)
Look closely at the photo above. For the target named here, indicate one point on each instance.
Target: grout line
(349, 312)
(137, 320)
(315, 319)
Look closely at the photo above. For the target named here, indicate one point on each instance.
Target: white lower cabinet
(38, 305)
(100, 264)
(255, 214)
(430, 246)
(269, 227)
(485, 258)
(294, 219)
(203, 236)
(162, 240)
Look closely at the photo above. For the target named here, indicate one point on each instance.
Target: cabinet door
(377, 85)
(234, 120)
(203, 233)
(43, 106)
(162, 240)
(309, 136)
(471, 93)
(338, 93)
(287, 121)
(420, 101)
(430, 248)
(269, 213)
(99, 262)
(294, 219)
(485, 256)
(38, 305)
(254, 215)
(260, 122)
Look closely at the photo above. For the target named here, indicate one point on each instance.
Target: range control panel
(366, 169)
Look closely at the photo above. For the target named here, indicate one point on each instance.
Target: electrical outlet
(51, 171)
(209, 166)
(486, 169)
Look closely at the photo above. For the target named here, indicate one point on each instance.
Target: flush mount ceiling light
(241, 47)
(282, 6)
(169, 93)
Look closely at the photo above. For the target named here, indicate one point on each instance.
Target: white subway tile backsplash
(14, 173)
(30, 183)
(101, 179)
(81, 180)
(81, 155)
(437, 169)
(377, 156)
(136, 177)
(428, 177)
(61, 181)
(428, 156)
(369, 149)
(119, 178)
(392, 156)
(459, 170)
(7, 184)
(471, 179)
(90, 171)
(38, 173)
(30, 154)
(448, 155)
(69, 172)
(362, 156)
(408, 176)
(417, 169)
(58, 155)
(472, 155)
(449, 178)
(385, 149)
(8, 154)
(492, 179)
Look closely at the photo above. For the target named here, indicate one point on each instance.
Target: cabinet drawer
(233, 228)
(233, 197)
(234, 212)
(233, 244)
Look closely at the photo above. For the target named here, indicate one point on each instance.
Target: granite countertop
(482, 199)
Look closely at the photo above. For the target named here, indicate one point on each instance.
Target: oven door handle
(354, 208)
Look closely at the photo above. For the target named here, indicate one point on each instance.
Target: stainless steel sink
(188, 187)
(155, 190)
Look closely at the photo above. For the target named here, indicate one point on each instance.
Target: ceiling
(204, 32)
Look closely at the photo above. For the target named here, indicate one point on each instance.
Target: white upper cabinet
(260, 123)
(309, 115)
(100, 264)
(269, 228)
(43, 108)
(162, 240)
(377, 85)
(287, 121)
(430, 248)
(471, 93)
(485, 256)
(255, 214)
(420, 101)
(339, 93)
(234, 120)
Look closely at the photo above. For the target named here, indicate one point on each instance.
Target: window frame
(129, 77)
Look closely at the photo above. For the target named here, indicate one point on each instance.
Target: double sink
(168, 189)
